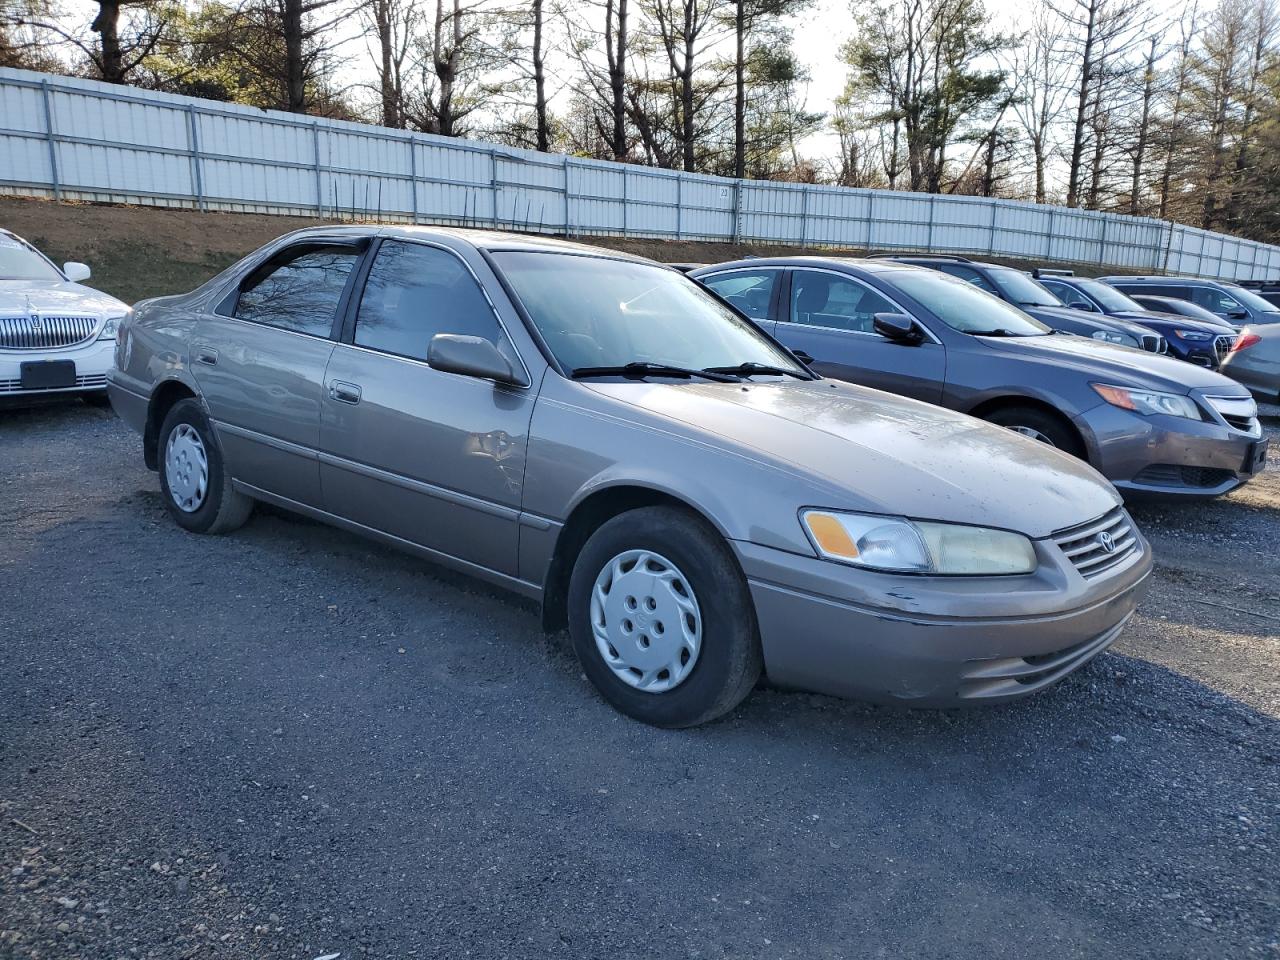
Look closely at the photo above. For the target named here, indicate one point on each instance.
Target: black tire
(1056, 430)
(224, 508)
(729, 661)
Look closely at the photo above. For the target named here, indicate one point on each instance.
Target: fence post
(493, 187)
(871, 219)
(568, 227)
(193, 141)
(1048, 235)
(928, 243)
(1102, 243)
(737, 211)
(679, 205)
(804, 216)
(49, 136)
(315, 144)
(624, 200)
(991, 230)
(413, 176)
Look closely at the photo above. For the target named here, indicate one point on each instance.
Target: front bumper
(934, 641)
(1165, 455)
(92, 360)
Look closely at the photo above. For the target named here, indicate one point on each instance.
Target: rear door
(828, 316)
(433, 458)
(260, 362)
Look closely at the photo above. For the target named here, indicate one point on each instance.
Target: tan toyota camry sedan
(600, 433)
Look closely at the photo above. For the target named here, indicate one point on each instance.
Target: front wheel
(194, 480)
(661, 618)
(1039, 425)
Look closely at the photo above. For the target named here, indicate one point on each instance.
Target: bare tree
(686, 30)
(1040, 74)
(392, 24)
(1224, 42)
(602, 89)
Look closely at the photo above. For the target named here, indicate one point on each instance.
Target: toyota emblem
(1107, 542)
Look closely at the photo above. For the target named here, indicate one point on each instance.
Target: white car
(56, 336)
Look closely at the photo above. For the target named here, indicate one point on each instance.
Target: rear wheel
(661, 618)
(1039, 425)
(193, 478)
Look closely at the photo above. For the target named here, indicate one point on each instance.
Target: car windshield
(20, 261)
(1250, 299)
(1108, 296)
(962, 306)
(594, 312)
(1022, 289)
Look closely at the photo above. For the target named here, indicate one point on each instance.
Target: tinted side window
(969, 275)
(748, 290)
(824, 300)
(1214, 300)
(415, 292)
(301, 294)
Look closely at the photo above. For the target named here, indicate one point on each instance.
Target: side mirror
(897, 327)
(1238, 314)
(470, 357)
(75, 271)
(1081, 305)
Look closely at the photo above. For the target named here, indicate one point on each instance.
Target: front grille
(1155, 343)
(1175, 476)
(1240, 413)
(1099, 545)
(43, 333)
(1011, 676)
(92, 381)
(1222, 345)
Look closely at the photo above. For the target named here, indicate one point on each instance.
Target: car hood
(884, 453)
(1108, 363)
(20, 297)
(1164, 321)
(1095, 320)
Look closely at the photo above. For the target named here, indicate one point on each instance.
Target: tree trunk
(740, 91)
(107, 26)
(616, 48)
(382, 13)
(1082, 108)
(295, 74)
(539, 80)
(1144, 124)
(686, 89)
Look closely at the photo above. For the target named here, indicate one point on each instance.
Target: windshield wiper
(997, 332)
(751, 368)
(642, 368)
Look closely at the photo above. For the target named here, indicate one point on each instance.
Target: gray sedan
(1149, 423)
(599, 433)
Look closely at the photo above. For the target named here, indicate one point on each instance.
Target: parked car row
(689, 472)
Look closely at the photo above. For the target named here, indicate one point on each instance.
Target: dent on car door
(829, 317)
(433, 458)
(260, 364)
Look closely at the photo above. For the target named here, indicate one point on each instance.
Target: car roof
(849, 264)
(1156, 278)
(488, 240)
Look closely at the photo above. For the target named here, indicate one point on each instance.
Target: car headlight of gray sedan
(897, 545)
(1148, 402)
(1111, 337)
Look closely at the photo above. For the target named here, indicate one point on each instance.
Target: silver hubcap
(186, 468)
(1033, 433)
(646, 621)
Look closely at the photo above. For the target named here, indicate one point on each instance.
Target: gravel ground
(291, 743)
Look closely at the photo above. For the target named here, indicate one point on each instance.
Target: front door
(433, 458)
(260, 362)
(829, 317)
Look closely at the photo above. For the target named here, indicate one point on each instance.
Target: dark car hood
(1097, 321)
(885, 453)
(1108, 363)
(1170, 321)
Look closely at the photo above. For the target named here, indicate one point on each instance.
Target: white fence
(79, 139)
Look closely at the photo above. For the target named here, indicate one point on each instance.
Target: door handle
(802, 356)
(344, 392)
(206, 355)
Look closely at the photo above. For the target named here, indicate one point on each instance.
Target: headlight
(1148, 401)
(110, 328)
(1110, 337)
(1193, 335)
(911, 546)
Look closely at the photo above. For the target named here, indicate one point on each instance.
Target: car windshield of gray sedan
(964, 307)
(19, 262)
(1109, 296)
(1250, 299)
(596, 313)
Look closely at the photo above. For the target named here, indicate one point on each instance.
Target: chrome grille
(90, 381)
(1241, 413)
(1154, 343)
(1222, 345)
(43, 333)
(1086, 545)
